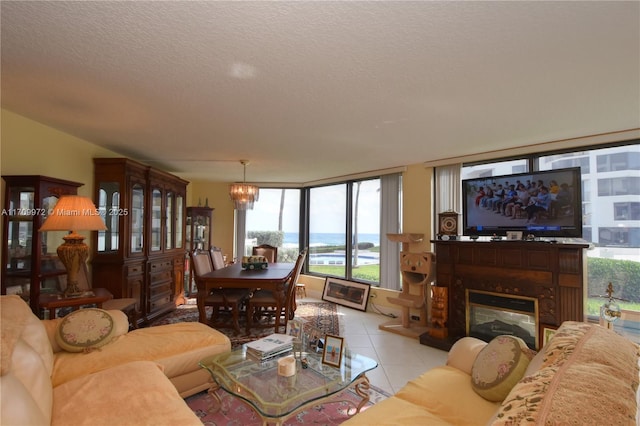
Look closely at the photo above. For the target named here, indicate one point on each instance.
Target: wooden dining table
(273, 278)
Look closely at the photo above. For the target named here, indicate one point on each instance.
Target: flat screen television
(543, 204)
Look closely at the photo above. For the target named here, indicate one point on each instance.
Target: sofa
(584, 375)
(123, 378)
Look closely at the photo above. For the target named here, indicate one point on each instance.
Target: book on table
(270, 346)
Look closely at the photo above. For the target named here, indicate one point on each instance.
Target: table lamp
(73, 213)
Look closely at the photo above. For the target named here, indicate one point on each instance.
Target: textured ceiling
(313, 90)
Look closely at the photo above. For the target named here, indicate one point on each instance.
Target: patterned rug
(234, 411)
(319, 318)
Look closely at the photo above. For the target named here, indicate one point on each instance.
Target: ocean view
(329, 239)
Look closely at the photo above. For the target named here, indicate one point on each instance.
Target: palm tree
(355, 226)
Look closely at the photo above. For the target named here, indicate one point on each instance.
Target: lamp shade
(74, 213)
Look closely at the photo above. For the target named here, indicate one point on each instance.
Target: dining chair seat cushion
(231, 296)
(263, 297)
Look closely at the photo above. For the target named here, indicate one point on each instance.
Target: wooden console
(554, 273)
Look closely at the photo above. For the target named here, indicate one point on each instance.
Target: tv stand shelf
(554, 273)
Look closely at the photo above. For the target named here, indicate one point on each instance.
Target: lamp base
(73, 253)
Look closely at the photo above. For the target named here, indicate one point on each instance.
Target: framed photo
(347, 293)
(294, 328)
(514, 235)
(333, 346)
(547, 334)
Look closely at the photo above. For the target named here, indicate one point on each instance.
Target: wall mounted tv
(542, 204)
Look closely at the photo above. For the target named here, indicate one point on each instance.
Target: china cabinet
(199, 221)
(30, 265)
(141, 254)
(199, 230)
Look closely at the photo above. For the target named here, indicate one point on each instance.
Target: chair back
(217, 258)
(266, 250)
(295, 274)
(201, 261)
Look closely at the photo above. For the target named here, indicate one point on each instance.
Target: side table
(95, 296)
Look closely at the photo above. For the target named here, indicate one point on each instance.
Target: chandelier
(242, 194)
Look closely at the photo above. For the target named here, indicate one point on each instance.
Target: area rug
(319, 318)
(234, 411)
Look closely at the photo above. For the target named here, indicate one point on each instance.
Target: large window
(611, 218)
(345, 219)
(340, 223)
(275, 220)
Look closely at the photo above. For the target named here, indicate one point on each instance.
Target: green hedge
(273, 238)
(623, 274)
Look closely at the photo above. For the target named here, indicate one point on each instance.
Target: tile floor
(399, 358)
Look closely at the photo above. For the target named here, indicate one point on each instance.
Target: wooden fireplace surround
(554, 273)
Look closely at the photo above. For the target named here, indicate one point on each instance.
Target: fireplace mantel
(554, 273)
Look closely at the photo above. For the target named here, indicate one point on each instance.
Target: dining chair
(265, 303)
(266, 250)
(217, 258)
(229, 301)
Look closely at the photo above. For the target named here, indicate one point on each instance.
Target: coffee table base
(361, 387)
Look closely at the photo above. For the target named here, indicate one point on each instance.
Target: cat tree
(418, 272)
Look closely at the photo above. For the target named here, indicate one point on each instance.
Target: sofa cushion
(589, 376)
(463, 353)
(440, 396)
(171, 341)
(147, 398)
(499, 366)
(86, 329)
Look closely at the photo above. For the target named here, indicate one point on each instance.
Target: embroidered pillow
(85, 329)
(499, 366)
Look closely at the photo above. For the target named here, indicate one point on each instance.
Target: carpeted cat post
(418, 272)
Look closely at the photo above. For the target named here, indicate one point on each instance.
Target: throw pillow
(86, 329)
(499, 366)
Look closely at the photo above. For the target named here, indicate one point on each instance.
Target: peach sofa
(585, 374)
(139, 377)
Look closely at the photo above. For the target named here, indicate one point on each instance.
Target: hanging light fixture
(242, 194)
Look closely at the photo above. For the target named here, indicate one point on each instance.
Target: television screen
(543, 204)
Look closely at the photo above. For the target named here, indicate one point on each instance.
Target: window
(332, 221)
(626, 211)
(611, 213)
(328, 230)
(275, 220)
(345, 218)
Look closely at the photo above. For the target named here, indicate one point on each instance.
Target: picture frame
(547, 334)
(333, 348)
(514, 235)
(295, 329)
(346, 293)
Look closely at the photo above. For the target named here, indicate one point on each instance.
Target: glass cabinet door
(19, 242)
(137, 218)
(156, 220)
(179, 220)
(169, 225)
(108, 203)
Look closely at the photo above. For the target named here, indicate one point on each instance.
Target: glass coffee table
(276, 397)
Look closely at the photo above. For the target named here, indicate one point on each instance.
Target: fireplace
(491, 314)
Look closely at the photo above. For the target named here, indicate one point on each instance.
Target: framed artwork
(333, 346)
(514, 235)
(547, 334)
(294, 328)
(347, 293)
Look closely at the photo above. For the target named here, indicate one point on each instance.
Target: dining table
(274, 277)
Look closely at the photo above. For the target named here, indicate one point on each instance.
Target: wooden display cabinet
(141, 254)
(30, 265)
(199, 234)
